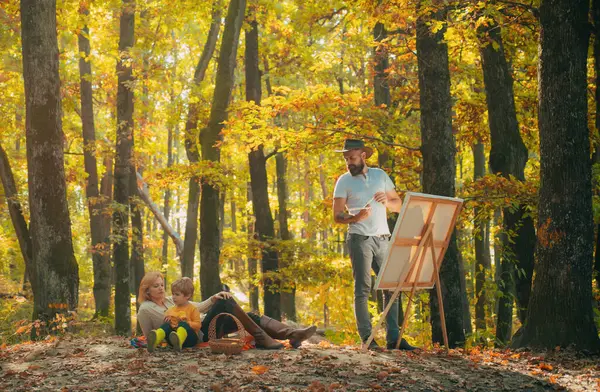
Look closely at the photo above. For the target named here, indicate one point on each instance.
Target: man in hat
(366, 193)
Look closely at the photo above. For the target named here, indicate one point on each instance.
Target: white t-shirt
(358, 191)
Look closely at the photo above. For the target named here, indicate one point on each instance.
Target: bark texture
(123, 170)
(439, 166)
(55, 273)
(560, 309)
(508, 156)
(96, 204)
(210, 280)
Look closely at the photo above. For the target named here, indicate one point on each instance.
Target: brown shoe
(279, 330)
(262, 339)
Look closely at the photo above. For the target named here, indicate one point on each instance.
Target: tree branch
(331, 15)
(145, 196)
(534, 10)
(271, 154)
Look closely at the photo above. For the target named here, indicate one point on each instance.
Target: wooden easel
(425, 243)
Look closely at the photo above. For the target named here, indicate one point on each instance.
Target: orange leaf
(545, 366)
(382, 375)
(260, 369)
(21, 330)
(324, 344)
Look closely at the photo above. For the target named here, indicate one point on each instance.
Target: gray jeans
(368, 253)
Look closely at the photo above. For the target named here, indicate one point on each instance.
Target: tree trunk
(288, 294)
(560, 309)
(439, 166)
(252, 262)
(596, 24)
(506, 285)
(191, 228)
(106, 193)
(482, 245)
(191, 147)
(288, 291)
(136, 262)
(16, 213)
(508, 157)
(383, 100)
(55, 273)
(260, 187)
(123, 172)
(167, 204)
(381, 63)
(210, 281)
(101, 263)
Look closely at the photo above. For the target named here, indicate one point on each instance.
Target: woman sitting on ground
(154, 304)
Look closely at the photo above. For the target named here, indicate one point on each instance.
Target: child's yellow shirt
(188, 313)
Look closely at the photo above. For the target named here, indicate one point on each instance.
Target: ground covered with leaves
(79, 364)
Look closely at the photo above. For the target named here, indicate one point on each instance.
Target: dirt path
(76, 364)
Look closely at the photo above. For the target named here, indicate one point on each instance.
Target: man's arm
(341, 216)
(390, 199)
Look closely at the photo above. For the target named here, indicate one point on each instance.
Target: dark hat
(355, 144)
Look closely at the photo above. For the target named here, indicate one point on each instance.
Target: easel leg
(382, 317)
(419, 256)
(406, 317)
(438, 286)
(421, 259)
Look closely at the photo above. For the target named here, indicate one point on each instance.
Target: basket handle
(212, 333)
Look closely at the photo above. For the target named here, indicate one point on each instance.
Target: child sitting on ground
(182, 321)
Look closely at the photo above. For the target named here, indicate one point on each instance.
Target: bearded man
(366, 193)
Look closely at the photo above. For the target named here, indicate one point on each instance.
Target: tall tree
(191, 146)
(171, 130)
(508, 156)
(596, 25)
(123, 169)
(482, 244)
(383, 100)
(560, 309)
(439, 166)
(96, 204)
(253, 294)
(16, 213)
(210, 280)
(258, 180)
(137, 269)
(288, 293)
(55, 273)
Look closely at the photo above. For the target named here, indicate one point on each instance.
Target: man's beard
(355, 170)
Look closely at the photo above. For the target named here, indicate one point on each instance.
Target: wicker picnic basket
(227, 346)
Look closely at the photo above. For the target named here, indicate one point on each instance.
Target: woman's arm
(145, 319)
(204, 306)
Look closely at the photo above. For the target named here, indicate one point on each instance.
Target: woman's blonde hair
(147, 281)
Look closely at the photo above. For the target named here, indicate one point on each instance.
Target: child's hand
(174, 322)
(183, 318)
(167, 319)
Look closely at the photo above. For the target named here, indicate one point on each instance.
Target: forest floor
(110, 364)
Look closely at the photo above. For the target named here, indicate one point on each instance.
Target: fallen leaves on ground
(75, 364)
